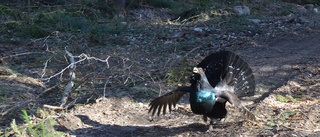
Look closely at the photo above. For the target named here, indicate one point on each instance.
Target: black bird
(222, 76)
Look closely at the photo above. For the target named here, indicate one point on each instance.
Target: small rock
(197, 29)
(289, 18)
(301, 9)
(257, 21)
(303, 20)
(121, 16)
(309, 7)
(315, 10)
(124, 23)
(168, 42)
(241, 10)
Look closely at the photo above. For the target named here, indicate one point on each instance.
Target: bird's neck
(203, 84)
(204, 91)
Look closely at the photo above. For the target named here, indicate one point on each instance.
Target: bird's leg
(210, 126)
(205, 118)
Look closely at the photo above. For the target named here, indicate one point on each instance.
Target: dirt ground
(277, 63)
(286, 65)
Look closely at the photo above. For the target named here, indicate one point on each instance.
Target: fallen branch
(21, 104)
(21, 54)
(52, 107)
(72, 76)
(71, 82)
(69, 87)
(82, 57)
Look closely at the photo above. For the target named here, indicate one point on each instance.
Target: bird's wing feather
(168, 100)
(234, 100)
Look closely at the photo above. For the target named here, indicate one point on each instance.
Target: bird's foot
(210, 129)
(210, 126)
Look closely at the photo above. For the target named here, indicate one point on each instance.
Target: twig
(46, 6)
(315, 85)
(104, 88)
(48, 89)
(52, 107)
(83, 58)
(129, 67)
(198, 47)
(71, 103)
(151, 78)
(72, 75)
(45, 67)
(72, 64)
(16, 106)
(21, 54)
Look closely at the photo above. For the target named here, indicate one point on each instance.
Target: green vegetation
(175, 76)
(42, 128)
(284, 115)
(69, 20)
(4, 70)
(286, 98)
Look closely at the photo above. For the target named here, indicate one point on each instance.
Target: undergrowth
(32, 127)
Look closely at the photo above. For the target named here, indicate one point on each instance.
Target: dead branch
(21, 104)
(52, 107)
(47, 90)
(21, 54)
(72, 76)
(71, 82)
(45, 67)
(82, 57)
(47, 6)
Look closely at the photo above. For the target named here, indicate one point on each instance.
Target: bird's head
(196, 75)
(197, 70)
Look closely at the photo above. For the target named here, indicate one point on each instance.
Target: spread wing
(168, 100)
(234, 100)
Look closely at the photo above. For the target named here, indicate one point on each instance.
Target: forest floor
(287, 66)
(113, 101)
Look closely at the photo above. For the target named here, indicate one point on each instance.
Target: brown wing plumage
(168, 100)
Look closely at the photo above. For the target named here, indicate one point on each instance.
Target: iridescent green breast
(202, 96)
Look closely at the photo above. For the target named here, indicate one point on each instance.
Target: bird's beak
(195, 70)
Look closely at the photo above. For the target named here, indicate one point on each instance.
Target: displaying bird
(221, 77)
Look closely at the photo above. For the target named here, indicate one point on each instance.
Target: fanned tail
(225, 69)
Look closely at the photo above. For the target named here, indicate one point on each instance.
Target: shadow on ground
(102, 130)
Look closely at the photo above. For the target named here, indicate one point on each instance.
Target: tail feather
(229, 68)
